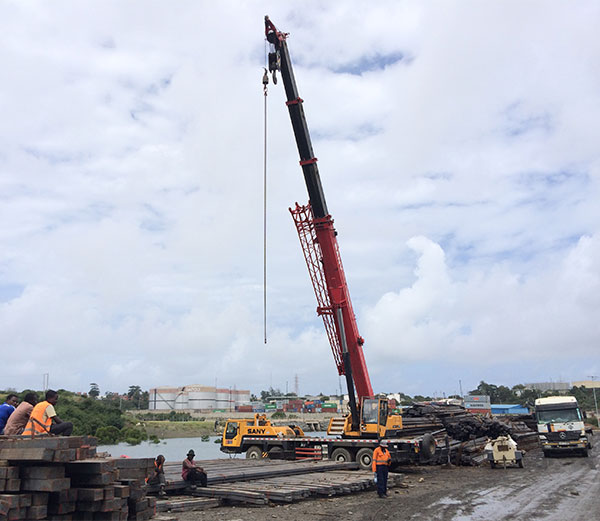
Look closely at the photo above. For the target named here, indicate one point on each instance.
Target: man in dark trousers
(381, 463)
(189, 472)
(44, 420)
(158, 476)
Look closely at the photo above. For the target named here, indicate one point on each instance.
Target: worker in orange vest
(158, 478)
(381, 462)
(44, 420)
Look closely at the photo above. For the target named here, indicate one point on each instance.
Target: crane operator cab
(375, 420)
(373, 416)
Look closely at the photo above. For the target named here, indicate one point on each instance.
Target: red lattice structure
(322, 256)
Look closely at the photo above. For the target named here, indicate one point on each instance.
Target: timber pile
(462, 435)
(240, 469)
(283, 488)
(58, 478)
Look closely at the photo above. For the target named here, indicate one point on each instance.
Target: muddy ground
(558, 488)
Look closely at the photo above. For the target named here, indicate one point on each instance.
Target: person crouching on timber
(18, 420)
(381, 463)
(44, 419)
(158, 478)
(191, 473)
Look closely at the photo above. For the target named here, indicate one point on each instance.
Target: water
(176, 449)
(173, 449)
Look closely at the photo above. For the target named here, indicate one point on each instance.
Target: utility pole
(594, 390)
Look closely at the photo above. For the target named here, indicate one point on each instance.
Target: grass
(179, 429)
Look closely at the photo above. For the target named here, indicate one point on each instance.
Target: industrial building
(559, 387)
(196, 398)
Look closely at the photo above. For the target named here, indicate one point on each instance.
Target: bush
(133, 436)
(108, 435)
(279, 415)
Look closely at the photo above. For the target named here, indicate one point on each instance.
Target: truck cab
(560, 425)
(237, 431)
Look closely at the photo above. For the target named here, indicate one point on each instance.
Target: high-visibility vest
(381, 457)
(36, 423)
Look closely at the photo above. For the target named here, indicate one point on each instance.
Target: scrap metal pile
(460, 435)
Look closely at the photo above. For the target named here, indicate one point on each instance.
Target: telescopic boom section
(318, 237)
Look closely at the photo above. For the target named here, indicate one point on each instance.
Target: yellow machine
(375, 421)
(237, 430)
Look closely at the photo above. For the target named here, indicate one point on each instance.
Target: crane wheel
(427, 447)
(254, 452)
(342, 455)
(364, 458)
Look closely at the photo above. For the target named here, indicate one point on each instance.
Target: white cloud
(463, 180)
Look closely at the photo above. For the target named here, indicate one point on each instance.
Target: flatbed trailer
(403, 451)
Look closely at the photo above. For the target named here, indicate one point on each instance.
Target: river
(175, 449)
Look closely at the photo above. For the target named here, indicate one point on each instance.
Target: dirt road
(552, 489)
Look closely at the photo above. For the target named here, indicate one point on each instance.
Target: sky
(458, 150)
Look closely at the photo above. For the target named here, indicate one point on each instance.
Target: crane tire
(364, 458)
(254, 452)
(276, 453)
(427, 447)
(341, 454)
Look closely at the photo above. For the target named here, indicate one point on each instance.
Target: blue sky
(457, 144)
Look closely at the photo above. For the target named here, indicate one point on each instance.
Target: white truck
(560, 425)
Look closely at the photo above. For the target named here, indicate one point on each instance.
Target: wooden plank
(253, 498)
(29, 454)
(45, 485)
(37, 512)
(121, 491)
(83, 480)
(90, 494)
(88, 466)
(67, 507)
(45, 472)
(187, 504)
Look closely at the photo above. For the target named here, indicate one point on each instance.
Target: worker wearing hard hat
(381, 463)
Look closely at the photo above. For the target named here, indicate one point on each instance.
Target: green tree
(94, 391)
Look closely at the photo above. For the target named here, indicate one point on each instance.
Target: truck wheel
(254, 452)
(341, 454)
(276, 453)
(364, 457)
(585, 453)
(427, 447)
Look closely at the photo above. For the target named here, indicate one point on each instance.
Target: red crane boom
(318, 239)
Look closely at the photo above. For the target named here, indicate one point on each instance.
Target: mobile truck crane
(354, 437)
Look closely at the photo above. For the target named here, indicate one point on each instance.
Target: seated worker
(158, 477)
(6, 409)
(192, 473)
(44, 420)
(18, 420)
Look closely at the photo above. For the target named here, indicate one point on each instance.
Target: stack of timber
(259, 482)
(241, 469)
(460, 435)
(58, 478)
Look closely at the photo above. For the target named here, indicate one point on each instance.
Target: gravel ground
(558, 488)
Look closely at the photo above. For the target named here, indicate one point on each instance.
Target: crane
(318, 238)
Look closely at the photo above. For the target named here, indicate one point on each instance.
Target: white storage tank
(162, 398)
(224, 399)
(201, 397)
